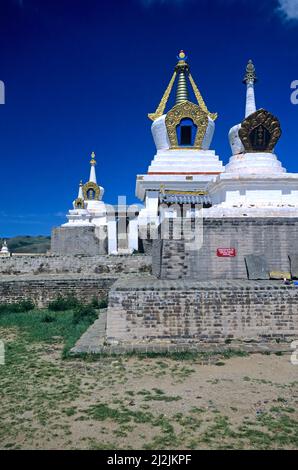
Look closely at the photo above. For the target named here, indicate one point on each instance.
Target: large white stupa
(184, 164)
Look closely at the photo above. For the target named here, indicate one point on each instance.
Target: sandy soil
(135, 403)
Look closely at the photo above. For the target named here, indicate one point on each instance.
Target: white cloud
(288, 9)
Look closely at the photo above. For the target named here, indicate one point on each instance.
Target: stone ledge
(55, 277)
(248, 219)
(151, 283)
(60, 277)
(172, 348)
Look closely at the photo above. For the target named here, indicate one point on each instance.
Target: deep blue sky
(81, 75)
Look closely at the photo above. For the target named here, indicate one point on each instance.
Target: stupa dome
(235, 141)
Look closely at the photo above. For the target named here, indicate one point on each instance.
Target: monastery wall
(44, 289)
(275, 238)
(51, 264)
(201, 311)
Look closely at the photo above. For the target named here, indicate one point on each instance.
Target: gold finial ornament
(250, 75)
(93, 161)
(182, 69)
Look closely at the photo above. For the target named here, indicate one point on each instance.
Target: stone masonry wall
(43, 289)
(274, 238)
(201, 311)
(51, 264)
(79, 241)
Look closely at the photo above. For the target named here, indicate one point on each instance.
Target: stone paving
(93, 339)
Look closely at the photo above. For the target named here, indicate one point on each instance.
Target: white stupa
(88, 207)
(184, 164)
(243, 162)
(90, 211)
(4, 250)
(254, 182)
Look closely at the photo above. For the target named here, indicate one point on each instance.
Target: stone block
(257, 267)
(78, 241)
(294, 265)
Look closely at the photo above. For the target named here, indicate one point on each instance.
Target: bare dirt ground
(144, 402)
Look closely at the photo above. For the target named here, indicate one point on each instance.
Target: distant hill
(28, 244)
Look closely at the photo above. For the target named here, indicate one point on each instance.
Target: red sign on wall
(226, 252)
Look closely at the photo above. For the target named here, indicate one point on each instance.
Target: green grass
(121, 415)
(157, 395)
(30, 384)
(34, 328)
(17, 307)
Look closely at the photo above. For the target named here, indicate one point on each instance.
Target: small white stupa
(91, 212)
(88, 207)
(4, 250)
(254, 182)
(244, 161)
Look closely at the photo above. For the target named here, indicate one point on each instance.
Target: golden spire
(182, 91)
(182, 69)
